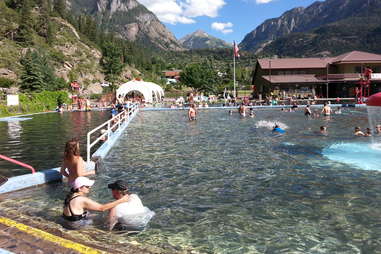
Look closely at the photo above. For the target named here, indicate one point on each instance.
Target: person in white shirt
(130, 215)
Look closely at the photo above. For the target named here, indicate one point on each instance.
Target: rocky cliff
(130, 20)
(202, 40)
(300, 20)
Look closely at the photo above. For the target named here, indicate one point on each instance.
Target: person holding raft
(73, 165)
(130, 215)
(278, 129)
(77, 204)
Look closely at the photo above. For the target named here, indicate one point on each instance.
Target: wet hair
(123, 192)
(322, 128)
(72, 148)
(357, 128)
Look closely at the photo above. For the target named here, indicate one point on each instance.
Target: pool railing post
(88, 147)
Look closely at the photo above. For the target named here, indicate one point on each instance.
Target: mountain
(202, 40)
(314, 23)
(129, 19)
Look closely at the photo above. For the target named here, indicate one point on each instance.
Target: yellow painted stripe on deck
(49, 237)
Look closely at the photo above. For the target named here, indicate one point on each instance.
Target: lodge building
(331, 77)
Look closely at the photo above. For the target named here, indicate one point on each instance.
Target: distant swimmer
(251, 114)
(338, 111)
(307, 111)
(73, 165)
(323, 130)
(278, 129)
(358, 132)
(378, 129)
(230, 112)
(326, 111)
(192, 113)
(368, 132)
(242, 110)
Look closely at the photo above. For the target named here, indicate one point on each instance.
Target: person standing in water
(326, 111)
(307, 111)
(242, 110)
(192, 113)
(73, 165)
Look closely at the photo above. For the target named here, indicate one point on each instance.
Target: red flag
(235, 49)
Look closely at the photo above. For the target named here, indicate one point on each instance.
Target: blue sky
(226, 19)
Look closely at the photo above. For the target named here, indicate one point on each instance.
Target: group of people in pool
(77, 205)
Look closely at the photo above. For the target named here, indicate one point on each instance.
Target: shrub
(6, 83)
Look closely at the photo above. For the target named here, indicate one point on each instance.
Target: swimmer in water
(323, 130)
(230, 112)
(326, 111)
(278, 129)
(358, 132)
(192, 113)
(378, 129)
(307, 111)
(368, 132)
(242, 110)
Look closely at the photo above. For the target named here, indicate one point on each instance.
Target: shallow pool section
(226, 184)
(39, 139)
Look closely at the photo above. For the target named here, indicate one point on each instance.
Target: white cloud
(182, 11)
(224, 28)
(263, 1)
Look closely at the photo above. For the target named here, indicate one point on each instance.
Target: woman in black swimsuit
(77, 205)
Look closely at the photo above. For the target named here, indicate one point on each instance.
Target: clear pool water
(226, 184)
(39, 139)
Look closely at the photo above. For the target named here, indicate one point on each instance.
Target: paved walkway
(19, 238)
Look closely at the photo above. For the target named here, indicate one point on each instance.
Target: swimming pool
(39, 139)
(226, 184)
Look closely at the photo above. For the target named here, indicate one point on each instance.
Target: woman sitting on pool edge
(73, 162)
(77, 205)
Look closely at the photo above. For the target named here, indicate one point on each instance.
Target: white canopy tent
(150, 91)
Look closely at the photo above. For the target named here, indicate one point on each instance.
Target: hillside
(305, 22)
(201, 40)
(130, 19)
(70, 56)
(332, 39)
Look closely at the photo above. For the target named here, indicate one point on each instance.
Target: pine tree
(25, 31)
(44, 26)
(37, 74)
(111, 61)
(60, 8)
(32, 78)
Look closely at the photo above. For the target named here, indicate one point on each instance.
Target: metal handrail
(18, 163)
(112, 124)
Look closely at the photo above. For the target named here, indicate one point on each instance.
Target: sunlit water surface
(223, 185)
(39, 139)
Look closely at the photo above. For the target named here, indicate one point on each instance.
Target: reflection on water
(14, 129)
(222, 185)
(39, 139)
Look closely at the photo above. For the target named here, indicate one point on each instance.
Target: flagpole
(234, 93)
